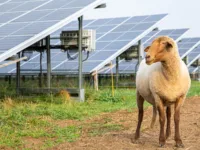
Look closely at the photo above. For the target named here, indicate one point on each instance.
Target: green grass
(194, 89)
(99, 129)
(36, 117)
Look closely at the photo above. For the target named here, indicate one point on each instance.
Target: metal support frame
(117, 72)
(140, 55)
(10, 79)
(18, 75)
(48, 62)
(186, 59)
(40, 74)
(198, 73)
(96, 81)
(80, 68)
(140, 51)
(198, 69)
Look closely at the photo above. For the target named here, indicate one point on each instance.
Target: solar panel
(109, 42)
(176, 34)
(187, 45)
(130, 66)
(115, 35)
(24, 22)
(192, 69)
(193, 56)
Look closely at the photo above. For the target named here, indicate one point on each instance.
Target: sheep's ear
(168, 45)
(147, 48)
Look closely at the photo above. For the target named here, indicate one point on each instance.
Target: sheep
(162, 80)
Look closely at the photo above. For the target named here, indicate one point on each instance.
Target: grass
(99, 129)
(36, 117)
(194, 89)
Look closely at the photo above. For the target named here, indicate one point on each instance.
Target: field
(102, 122)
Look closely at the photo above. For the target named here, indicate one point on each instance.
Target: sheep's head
(159, 50)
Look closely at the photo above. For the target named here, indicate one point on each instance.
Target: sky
(181, 13)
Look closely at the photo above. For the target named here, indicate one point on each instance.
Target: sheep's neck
(171, 69)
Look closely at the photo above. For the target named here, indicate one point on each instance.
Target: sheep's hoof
(161, 143)
(135, 141)
(179, 145)
(137, 136)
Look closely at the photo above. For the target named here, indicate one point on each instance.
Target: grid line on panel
(47, 30)
(156, 35)
(38, 54)
(24, 63)
(7, 9)
(24, 13)
(170, 33)
(132, 63)
(72, 55)
(31, 23)
(190, 49)
(195, 70)
(14, 31)
(5, 2)
(114, 28)
(26, 8)
(103, 36)
(96, 40)
(127, 45)
(193, 60)
(123, 23)
(104, 22)
(193, 56)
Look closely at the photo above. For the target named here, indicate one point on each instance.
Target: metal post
(140, 51)
(186, 60)
(48, 62)
(117, 72)
(96, 81)
(18, 76)
(9, 78)
(81, 90)
(40, 74)
(198, 69)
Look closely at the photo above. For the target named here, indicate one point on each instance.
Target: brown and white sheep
(163, 80)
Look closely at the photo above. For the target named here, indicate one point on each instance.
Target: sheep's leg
(161, 110)
(140, 102)
(168, 129)
(178, 105)
(154, 116)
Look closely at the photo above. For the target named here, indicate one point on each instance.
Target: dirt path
(120, 140)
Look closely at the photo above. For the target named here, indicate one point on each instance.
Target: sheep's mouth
(149, 61)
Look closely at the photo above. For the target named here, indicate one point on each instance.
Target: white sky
(181, 13)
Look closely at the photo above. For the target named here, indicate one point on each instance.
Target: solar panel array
(176, 34)
(193, 56)
(187, 45)
(24, 22)
(192, 69)
(117, 40)
(113, 34)
(130, 66)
